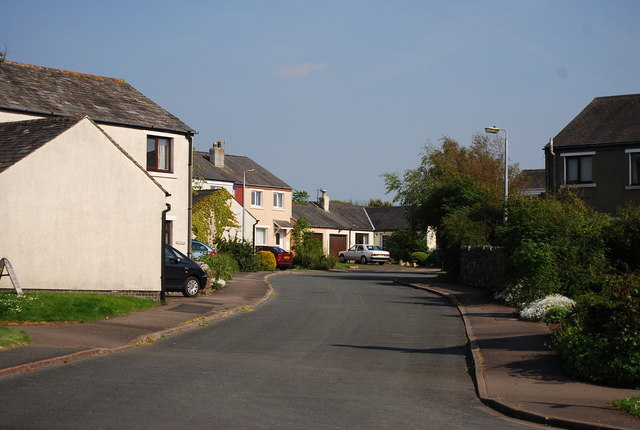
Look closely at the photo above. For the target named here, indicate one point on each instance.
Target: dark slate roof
(201, 194)
(388, 218)
(356, 216)
(340, 216)
(45, 91)
(606, 120)
(234, 165)
(531, 178)
(20, 138)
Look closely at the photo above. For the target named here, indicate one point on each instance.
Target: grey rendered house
(597, 154)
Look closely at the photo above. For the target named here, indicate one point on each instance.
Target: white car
(364, 254)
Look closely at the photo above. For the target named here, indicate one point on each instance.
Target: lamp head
(492, 130)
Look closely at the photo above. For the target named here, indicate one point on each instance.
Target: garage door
(337, 243)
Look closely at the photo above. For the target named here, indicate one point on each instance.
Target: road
(328, 351)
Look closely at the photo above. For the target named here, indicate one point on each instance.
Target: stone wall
(480, 266)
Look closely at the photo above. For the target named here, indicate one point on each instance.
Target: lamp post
(495, 130)
(244, 183)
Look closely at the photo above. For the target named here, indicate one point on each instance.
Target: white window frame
(256, 198)
(631, 185)
(266, 235)
(278, 197)
(577, 154)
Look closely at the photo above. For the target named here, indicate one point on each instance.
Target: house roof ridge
(66, 72)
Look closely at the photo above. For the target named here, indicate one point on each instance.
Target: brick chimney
(216, 154)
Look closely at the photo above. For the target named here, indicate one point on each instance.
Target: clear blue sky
(331, 94)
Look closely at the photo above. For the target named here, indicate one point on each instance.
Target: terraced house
(265, 198)
(94, 177)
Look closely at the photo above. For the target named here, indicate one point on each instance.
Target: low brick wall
(480, 266)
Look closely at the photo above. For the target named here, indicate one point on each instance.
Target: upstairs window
(278, 200)
(159, 154)
(256, 198)
(578, 169)
(634, 168)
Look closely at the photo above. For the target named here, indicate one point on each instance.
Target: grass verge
(11, 338)
(630, 405)
(58, 307)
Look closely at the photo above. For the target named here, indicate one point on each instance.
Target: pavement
(516, 374)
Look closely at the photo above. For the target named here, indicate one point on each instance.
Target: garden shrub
(222, 266)
(420, 257)
(623, 239)
(466, 226)
(242, 252)
(308, 250)
(552, 246)
(267, 259)
(402, 243)
(600, 340)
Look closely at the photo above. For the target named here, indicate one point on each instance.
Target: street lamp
(495, 130)
(244, 183)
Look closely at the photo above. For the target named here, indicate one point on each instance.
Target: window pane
(159, 153)
(585, 169)
(635, 168)
(278, 200)
(256, 198)
(164, 152)
(261, 236)
(151, 153)
(572, 170)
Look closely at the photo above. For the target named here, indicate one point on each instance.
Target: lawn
(60, 307)
(10, 338)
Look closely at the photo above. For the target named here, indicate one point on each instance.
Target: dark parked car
(182, 274)
(284, 259)
(200, 248)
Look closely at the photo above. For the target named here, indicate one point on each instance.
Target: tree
(300, 197)
(450, 177)
(378, 203)
(458, 191)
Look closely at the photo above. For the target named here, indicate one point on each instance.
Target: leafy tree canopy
(378, 203)
(449, 177)
(300, 197)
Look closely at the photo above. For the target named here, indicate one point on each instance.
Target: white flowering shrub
(538, 310)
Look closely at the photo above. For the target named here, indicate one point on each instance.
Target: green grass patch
(11, 338)
(343, 266)
(56, 307)
(630, 405)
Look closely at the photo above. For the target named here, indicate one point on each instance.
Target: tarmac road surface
(329, 350)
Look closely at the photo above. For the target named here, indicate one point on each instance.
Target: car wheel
(342, 259)
(363, 260)
(191, 287)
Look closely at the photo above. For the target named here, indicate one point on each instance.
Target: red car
(284, 259)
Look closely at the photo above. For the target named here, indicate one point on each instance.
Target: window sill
(591, 185)
(162, 175)
(632, 187)
(256, 207)
(278, 209)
